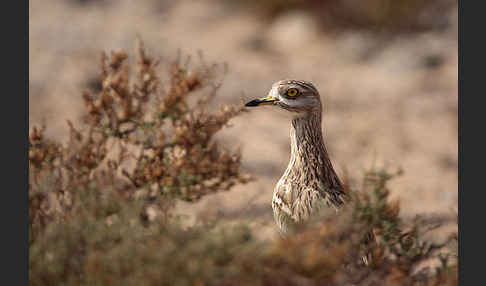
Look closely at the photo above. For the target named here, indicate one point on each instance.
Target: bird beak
(269, 99)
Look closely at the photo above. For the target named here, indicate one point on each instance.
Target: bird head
(292, 95)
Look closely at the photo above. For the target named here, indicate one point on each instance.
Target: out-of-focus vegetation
(101, 204)
(388, 16)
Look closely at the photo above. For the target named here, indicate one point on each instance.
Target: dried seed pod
(122, 115)
(107, 100)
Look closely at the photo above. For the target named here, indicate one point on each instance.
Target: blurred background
(386, 70)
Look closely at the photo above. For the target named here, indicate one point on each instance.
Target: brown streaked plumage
(309, 182)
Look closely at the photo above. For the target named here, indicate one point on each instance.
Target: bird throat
(309, 164)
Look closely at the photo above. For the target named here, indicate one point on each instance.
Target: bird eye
(292, 92)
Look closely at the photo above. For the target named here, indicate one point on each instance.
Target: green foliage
(107, 242)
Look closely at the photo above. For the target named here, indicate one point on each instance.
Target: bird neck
(309, 161)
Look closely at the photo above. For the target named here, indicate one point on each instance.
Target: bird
(309, 182)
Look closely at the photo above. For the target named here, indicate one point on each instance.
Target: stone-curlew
(309, 182)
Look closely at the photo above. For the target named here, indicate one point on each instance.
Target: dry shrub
(100, 205)
(327, 249)
(138, 139)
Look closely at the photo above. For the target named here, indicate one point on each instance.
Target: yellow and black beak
(262, 101)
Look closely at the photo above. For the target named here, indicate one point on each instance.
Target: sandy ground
(388, 102)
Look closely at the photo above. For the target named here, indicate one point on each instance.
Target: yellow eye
(292, 92)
